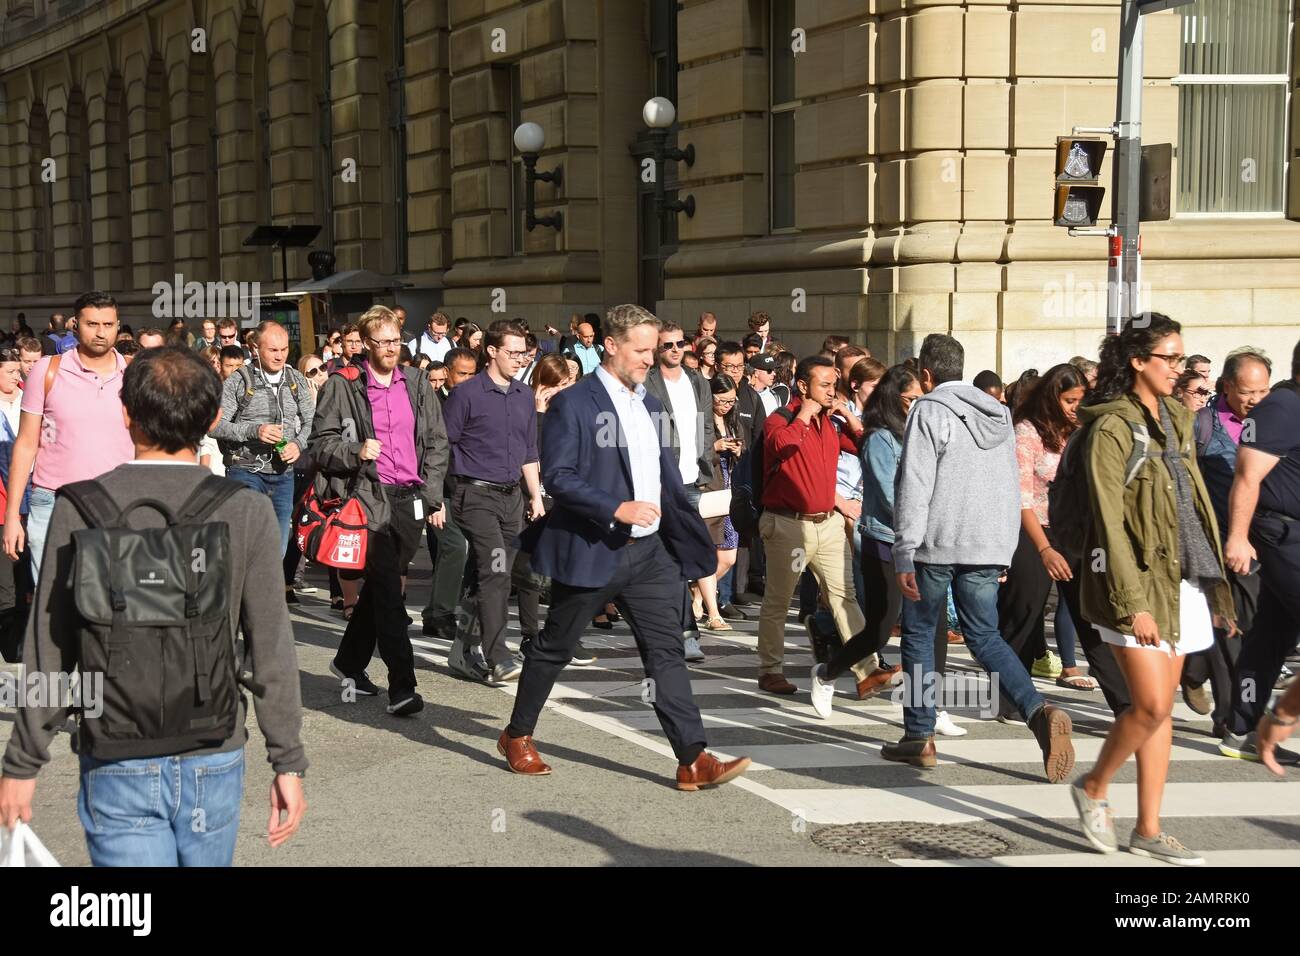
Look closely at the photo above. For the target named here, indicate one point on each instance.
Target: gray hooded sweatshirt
(957, 494)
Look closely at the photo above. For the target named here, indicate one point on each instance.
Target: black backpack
(749, 477)
(1069, 510)
(153, 618)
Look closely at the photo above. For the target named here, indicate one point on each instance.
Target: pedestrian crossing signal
(1078, 173)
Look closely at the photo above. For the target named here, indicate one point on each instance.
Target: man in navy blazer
(621, 529)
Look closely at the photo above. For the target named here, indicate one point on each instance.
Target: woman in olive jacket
(1153, 577)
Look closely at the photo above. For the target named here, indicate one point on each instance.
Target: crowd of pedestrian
(682, 482)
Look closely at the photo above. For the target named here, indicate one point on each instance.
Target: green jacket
(1130, 560)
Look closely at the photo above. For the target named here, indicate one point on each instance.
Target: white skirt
(1196, 626)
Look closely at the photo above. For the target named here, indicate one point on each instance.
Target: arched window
(42, 198)
(117, 138)
(392, 39)
(79, 196)
(323, 125)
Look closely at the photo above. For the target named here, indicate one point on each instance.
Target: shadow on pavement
(623, 852)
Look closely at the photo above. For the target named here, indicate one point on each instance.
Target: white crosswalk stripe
(831, 771)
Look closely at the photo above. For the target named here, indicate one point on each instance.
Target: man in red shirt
(798, 525)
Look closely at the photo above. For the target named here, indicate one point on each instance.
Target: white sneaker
(822, 692)
(944, 726)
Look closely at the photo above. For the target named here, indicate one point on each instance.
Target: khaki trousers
(790, 547)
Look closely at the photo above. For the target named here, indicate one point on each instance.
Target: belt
(817, 518)
(402, 491)
(503, 489)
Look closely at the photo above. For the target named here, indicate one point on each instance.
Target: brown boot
(917, 751)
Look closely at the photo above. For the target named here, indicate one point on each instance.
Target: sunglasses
(316, 369)
(667, 346)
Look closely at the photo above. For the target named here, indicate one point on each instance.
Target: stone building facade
(877, 168)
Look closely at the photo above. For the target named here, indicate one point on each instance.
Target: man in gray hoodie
(957, 517)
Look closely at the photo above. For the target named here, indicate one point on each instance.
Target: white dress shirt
(642, 442)
(423, 345)
(681, 395)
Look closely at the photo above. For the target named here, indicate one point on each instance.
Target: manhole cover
(914, 841)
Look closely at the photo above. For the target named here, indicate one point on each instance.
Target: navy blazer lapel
(608, 414)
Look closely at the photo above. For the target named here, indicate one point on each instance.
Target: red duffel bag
(332, 533)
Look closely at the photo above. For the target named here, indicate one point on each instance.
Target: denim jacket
(7, 438)
(880, 454)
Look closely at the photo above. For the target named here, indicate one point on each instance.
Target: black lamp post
(659, 114)
(529, 140)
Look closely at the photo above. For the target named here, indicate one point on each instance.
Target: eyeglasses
(668, 346)
(724, 401)
(517, 356)
(1203, 392)
(385, 343)
(1174, 361)
(316, 370)
(736, 367)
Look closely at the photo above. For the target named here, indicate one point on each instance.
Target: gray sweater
(257, 589)
(957, 496)
(236, 433)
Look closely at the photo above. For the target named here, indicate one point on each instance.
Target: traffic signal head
(1078, 171)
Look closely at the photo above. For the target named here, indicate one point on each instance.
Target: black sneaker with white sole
(361, 683)
(582, 657)
(407, 706)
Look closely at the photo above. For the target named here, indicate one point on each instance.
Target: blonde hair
(375, 318)
(622, 319)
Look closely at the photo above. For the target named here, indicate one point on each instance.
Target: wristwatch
(292, 773)
(1271, 713)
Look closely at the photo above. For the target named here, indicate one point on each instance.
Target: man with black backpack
(151, 568)
(266, 415)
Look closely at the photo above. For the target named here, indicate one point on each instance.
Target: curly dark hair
(1115, 373)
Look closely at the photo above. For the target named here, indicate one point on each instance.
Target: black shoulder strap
(93, 502)
(210, 495)
(1204, 428)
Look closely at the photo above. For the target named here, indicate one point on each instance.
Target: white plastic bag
(20, 847)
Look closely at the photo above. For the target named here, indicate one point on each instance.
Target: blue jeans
(975, 591)
(162, 811)
(279, 488)
(38, 525)
(1066, 633)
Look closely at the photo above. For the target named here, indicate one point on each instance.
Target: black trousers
(448, 554)
(646, 586)
(1277, 622)
(490, 520)
(881, 604)
(379, 618)
(1022, 599)
(15, 603)
(1218, 664)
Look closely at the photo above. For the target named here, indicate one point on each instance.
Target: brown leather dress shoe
(915, 751)
(955, 638)
(709, 771)
(775, 684)
(870, 685)
(521, 756)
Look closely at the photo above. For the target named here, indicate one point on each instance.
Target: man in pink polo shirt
(71, 426)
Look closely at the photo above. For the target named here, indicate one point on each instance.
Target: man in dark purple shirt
(492, 428)
(378, 433)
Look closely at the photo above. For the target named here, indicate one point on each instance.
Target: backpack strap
(213, 491)
(94, 503)
(241, 399)
(1204, 428)
(52, 372)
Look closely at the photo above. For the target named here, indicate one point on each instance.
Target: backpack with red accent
(332, 532)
